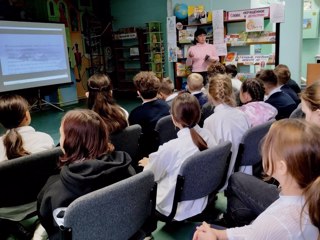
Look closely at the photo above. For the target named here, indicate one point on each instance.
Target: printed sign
(243, 14)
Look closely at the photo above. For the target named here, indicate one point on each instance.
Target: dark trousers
(247, 197)
(205, 77)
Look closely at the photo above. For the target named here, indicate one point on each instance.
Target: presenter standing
(201, 54)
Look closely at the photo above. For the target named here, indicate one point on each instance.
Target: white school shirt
(227, 124)
(280, 221)
(32, 141)
(166, 164)
(236, 83)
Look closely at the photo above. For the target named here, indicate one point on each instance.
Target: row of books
(247, 37)
(183, 71)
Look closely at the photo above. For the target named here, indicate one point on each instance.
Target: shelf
(126, 47)
(151, 32)
(242, 64)
(155, 62)
(128, 59)
(148, 43)
(129, 70)
(154, 53)
(240, 20)
(248, 44)
(197, 25)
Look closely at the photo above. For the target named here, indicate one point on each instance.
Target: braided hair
(254, 87)
(220, 89)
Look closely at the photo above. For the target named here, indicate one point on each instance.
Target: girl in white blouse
(227, 123)
(290, 154)
(20, 138)
(167, 161)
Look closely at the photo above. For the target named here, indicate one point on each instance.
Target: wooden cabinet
(129, 53)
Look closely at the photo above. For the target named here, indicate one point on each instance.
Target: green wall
(128, 13)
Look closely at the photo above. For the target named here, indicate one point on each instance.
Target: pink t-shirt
(199, 52)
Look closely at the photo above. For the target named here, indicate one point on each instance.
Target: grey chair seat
(123, 210)
(201, 174)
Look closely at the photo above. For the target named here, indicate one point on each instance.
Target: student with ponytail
(20, 138)
(101, 101)
(290, 154)
(167, 161)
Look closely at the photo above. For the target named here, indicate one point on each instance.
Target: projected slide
(32, 53)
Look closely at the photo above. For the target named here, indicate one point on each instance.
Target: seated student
(151, 110)
(291, 83)
(101, 101)
(290, 154)
(232, 70)
(227, 123)
(167, 161)
(251, 96)
(215, 68)
(219, 68)
(248, 196)
(20, 139)
(283, 74)
(274, 96)
(89, 163)
(195, 85)
(166, 91)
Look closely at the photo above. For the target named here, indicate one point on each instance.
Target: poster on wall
(196, 14)
(310, 24)
(254, 24)
(218, 26)
(307, 4)
(172, 39)
(277, 13)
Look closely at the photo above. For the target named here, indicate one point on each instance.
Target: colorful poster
(195, 14)
(172, 49)
(254, 24)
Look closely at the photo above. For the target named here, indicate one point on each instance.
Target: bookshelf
(185, 39)
(264, 44)
(154, 48)
(129, 51)
(262, 47)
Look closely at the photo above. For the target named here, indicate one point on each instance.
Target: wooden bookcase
(129, 53)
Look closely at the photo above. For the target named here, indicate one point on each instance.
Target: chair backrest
(206, 110)
(117, 211)
(211, 165)
(166, 129)
(21, 179)
(127, 140)
(200, 175)
(249, 148)
(297, 113)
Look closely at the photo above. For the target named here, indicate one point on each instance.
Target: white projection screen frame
(32, 55)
